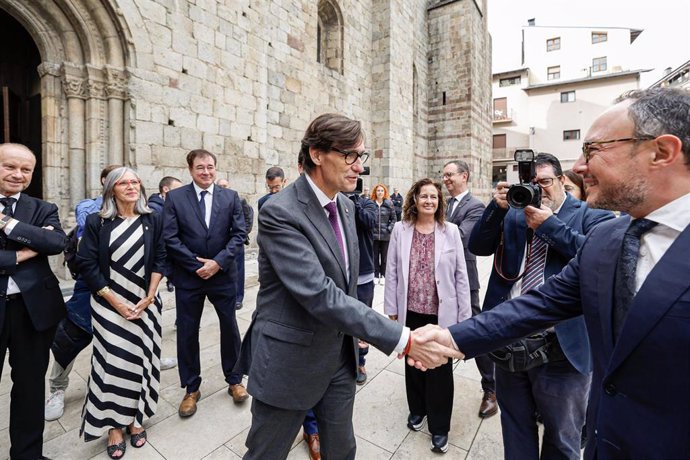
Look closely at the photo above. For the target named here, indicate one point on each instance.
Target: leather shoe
(238, 393)
(188, 404)
(415, 422)
(314, 445)
(439, 443)
(489, 405)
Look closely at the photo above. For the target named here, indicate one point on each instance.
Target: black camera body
(360, 184)
(525, 193)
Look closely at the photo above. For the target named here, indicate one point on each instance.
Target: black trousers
(29, 356)
(380, 256)
(430, 393)
(189, 307)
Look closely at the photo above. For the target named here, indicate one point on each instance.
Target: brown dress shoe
(489, 405)
(314, 445)
(188, 404)
(238, 393)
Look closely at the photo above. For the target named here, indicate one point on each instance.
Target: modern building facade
(569, 76)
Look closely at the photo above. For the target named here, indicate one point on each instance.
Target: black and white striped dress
(125, 366)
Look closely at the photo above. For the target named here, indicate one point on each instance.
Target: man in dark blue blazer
(203, 227)
(633, 290)
(556, 390)
(31, 303)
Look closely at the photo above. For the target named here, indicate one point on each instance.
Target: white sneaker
(168, 363)
(55, 406)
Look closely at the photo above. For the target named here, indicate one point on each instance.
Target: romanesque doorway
(20, 93)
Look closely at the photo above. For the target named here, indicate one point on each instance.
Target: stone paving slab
(219, 428)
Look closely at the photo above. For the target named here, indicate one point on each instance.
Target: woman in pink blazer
(426, 282)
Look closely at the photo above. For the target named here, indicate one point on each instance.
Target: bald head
(17, 165)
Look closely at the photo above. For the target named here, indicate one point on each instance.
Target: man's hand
(25, 254)
(431, 347)
(500, 194)
(536, 216)
(393, 317)
(209, 269)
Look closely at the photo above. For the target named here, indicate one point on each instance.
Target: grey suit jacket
(306, 307)
(465, 215)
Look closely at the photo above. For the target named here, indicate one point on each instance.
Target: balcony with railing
(502, 116)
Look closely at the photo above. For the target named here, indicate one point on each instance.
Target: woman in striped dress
(121, 257)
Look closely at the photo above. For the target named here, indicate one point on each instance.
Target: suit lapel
(606, 277)
(194, 205)
(317, 216)
(439, 242)
(350, 234)
(657, 294)
(216, 205)
(405, 250)
(148, 237)
(461, 203)
(24, 209)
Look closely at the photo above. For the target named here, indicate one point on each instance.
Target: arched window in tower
(329, 35)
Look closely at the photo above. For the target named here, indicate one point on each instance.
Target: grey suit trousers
(274, 429)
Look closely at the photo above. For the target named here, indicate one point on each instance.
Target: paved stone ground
(219, 428)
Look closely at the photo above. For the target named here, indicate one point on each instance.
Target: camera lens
(520, 196)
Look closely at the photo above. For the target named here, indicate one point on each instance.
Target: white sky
(665, 41)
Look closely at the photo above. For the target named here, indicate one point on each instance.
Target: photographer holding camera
(533, 229)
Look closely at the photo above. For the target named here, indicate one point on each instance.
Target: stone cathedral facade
(87, 83)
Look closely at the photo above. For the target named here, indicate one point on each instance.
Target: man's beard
(621, 196)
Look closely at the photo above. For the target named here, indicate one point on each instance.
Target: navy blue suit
(520, 394)
(639, 402)
(186, 238)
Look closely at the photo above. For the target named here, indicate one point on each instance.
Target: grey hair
(109, 208)
(461, 166)
(659, 111)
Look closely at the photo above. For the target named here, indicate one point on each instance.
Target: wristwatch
(103, 291)
(4, 221)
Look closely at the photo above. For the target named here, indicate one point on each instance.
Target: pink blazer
(451, 274)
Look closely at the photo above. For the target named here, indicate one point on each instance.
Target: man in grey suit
(302, 347)
(464, 210)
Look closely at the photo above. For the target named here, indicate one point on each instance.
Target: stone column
(53, 141)
(96, 129)
(74, 86)
(116, 92)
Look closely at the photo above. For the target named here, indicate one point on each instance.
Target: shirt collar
(675, 215)
(323, 199)
(459, 197)
(15, 196)
(198, 189)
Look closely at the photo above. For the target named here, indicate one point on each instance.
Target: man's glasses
(545, 182)
(127, 183)
(351, 155)
(588, 148)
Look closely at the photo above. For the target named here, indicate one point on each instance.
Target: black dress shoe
(170, 287)
(238, 305)
(415, 422)
(439, 443)
(489, 405)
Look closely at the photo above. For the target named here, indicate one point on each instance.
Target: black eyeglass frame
(350, 153)
(587, 151)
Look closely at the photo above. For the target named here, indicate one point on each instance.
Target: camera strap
(498, 258)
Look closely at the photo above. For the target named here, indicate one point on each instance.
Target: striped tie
(534, 271)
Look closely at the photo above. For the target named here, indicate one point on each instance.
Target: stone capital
(116, 83)
(49, 68)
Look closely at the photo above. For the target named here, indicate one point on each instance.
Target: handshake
(430, 347)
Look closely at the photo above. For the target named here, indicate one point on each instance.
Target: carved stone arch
(85, 48)
(330, 33)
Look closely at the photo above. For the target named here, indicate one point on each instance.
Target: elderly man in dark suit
(302, 346)
(31, 303)
(464, 210)
(629, 279)
(203, 229)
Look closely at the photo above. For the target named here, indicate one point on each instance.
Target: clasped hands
(431, 346)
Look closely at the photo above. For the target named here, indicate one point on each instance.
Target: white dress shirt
(208, 201)
(12, 287)
(458, 198)
(672, 219)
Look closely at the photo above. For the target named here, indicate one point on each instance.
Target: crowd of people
(584, 311)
